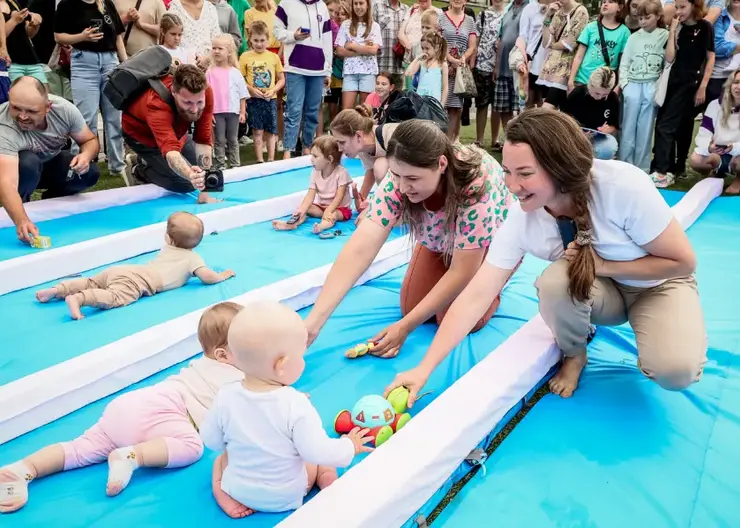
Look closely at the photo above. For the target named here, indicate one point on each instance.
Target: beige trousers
(667, 320)
(117, 286)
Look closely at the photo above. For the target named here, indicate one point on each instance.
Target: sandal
(326, 235)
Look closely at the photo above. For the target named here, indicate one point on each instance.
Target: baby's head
(213, 331)
(184, 230)
(268, 341)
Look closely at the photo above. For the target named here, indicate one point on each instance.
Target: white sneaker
(661, 182)
(280, 146)
(245, 140)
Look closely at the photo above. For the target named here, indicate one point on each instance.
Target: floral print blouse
(565, 27)
(476, 222)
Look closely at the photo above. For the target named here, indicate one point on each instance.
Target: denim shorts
(358, 82)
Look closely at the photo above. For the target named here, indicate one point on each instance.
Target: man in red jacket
(157, 130)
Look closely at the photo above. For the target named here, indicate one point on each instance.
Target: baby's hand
(225, 275)
(359, 438)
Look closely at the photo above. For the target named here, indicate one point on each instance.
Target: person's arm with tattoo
(182, 167)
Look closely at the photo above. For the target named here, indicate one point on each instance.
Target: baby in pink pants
(152, 427)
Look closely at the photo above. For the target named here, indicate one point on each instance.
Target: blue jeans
(605, 147)
(304, 95)
(89, 75)
(52, 175)
(638, 122)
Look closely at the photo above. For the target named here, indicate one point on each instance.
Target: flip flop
(329, 234)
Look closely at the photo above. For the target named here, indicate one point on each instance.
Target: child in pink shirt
(155, 427)
(229, 101)
(328, 194)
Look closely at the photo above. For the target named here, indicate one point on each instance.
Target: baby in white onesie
(274, 446)
(733, 35)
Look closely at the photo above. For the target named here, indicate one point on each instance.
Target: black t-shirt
(20, 47)
(44, 39)
(589, 112)
(74, 16)
(693, 44)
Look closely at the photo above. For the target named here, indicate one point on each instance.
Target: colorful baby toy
(359, 350)
(382, 416)
(41, 242)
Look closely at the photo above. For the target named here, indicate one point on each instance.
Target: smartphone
(305, 31)
(567, 228)
(720, 147)
(97, 23)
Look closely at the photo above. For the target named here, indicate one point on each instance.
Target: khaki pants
(114, 287)
(667, 321)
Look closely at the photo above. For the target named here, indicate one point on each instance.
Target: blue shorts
(358, 82)
(31, 70)
(262, 114)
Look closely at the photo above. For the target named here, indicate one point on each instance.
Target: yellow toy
(359, 350)
(41, 242)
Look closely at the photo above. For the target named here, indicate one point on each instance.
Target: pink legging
(135, 417)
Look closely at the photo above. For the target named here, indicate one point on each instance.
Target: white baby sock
(14, 491)
(121, 465)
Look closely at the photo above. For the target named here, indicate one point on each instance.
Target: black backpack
(142, 71)
(411, 105)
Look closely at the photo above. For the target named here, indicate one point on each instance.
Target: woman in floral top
(452, 200)
(560, 31)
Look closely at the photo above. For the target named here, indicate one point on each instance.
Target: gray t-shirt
(509, 34)
(63, 119)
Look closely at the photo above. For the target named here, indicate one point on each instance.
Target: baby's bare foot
(322, 226)
(281, 225)
(205, 198)
(231, 507)
(74, 307)
(565, 381)
(46, 295)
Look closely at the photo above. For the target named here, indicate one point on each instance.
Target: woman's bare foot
(231, 507)
(734, 187)
(46, 295)
(322, 226)
(326, 476)
(282, 225)
(74, 307)
(205, 198)
(565, 381)
(13, 491)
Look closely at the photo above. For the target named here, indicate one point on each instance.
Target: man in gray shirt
(35, 129)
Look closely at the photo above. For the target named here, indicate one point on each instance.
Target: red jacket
(152, 122)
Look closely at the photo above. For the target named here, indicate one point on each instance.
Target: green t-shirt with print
(616, 40)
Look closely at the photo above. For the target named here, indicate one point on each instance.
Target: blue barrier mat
(622, 451)
(257, 253)
(94, 224)
(183, 497)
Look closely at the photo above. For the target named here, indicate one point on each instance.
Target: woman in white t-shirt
(630, 261)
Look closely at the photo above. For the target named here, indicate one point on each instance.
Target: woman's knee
(553, 285)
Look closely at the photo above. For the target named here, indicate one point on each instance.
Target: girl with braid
(630, 259)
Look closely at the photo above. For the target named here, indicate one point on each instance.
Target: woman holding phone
(630, 261)
(20, 27)
(94, 30)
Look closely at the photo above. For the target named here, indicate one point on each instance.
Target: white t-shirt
(627, 212)
(269, 437)
(530, 29)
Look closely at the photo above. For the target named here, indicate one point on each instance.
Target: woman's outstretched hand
(414, 380)
(313, 330)
(389, 341)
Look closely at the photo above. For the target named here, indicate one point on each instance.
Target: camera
(214, 180)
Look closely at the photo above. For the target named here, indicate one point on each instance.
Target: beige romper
(121, 285)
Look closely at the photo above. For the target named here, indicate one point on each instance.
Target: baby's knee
(184, 451)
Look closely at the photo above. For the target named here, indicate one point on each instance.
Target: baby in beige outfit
(121, 285)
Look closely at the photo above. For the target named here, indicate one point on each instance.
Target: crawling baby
(274, 446)
(121, 285)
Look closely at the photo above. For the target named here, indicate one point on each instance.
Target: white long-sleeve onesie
(269, 437)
